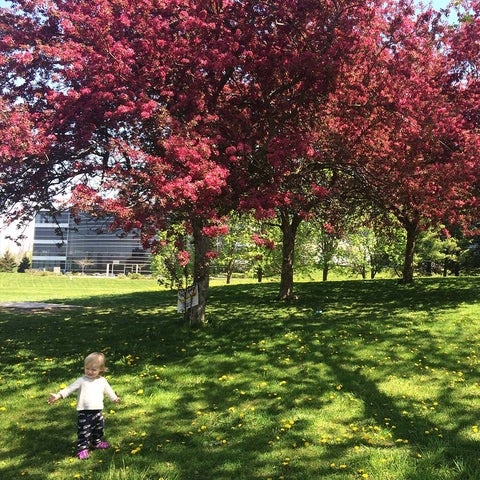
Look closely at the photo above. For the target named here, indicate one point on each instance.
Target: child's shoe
(101, 445)
(83, 454)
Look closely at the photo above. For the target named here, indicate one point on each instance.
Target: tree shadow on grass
(366, 333)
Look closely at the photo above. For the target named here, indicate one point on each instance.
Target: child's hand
(117, 401)
(53, 398)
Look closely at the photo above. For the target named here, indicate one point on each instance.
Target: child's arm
(54, 397)
(65, 392)
(110, 393)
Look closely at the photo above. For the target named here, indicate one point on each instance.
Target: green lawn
(354, 380)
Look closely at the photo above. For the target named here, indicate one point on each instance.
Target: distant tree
(168, 262)
(83, 263)
(439, 251)
(237, 249)
(8, 262)
(24, 264)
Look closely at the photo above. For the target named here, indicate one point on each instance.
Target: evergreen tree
(8, 262)
(24, 264)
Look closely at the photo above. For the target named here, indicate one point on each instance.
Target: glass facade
(87, 246)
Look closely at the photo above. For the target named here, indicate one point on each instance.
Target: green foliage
(366, 250)
(355, 380)
(238, 252)
(165, 264)
(8, 262)
(24, 264)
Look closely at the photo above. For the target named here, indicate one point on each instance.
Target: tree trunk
(325, 272)
(230, 270)
(259, 274)
(289, 229)
(195, 316)
(412, 231)
(428, 267)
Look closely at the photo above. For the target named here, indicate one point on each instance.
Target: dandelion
(140, 391)
(3, 408)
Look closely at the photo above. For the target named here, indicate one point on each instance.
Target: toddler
(91, 389)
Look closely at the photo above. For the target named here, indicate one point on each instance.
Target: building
(63, 245)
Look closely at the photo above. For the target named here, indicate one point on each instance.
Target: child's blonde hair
(97, 359)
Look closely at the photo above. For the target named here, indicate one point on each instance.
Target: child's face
(92, 370)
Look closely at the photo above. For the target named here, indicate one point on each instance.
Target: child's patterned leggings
(90, 428)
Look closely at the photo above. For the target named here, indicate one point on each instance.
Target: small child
(91, 389)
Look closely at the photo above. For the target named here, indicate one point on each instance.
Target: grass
(354, 380)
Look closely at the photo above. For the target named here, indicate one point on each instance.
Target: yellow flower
(140, 391)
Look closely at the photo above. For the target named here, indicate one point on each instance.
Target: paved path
(36, 305)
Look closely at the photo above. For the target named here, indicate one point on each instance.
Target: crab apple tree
(296, 68)
(406, 140)
(165, 111)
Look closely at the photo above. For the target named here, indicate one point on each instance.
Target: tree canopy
(167, 111)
